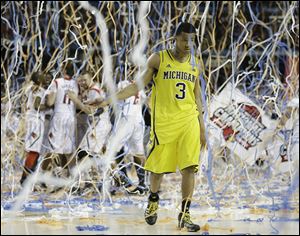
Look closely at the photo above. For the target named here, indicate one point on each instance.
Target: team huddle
(62, 102)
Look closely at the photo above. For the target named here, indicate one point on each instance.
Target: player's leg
(140, 171)
(61, 139)
(137, 149)
(141, 188)
(188, 161)
(33, 145)
(187, 188)
(123, 178)
(67, 146)
(30, 164)
(46, 161)
(162, 159)
(153, 199)
(119, 136)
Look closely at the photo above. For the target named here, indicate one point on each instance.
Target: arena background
(251, 46)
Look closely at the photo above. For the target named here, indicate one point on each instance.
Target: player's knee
(139, 159)
(188, 170)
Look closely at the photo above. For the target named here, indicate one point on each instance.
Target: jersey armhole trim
(161, 58)
(97, 90)
(170, 55)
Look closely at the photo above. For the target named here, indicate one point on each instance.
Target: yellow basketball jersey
(172, 100)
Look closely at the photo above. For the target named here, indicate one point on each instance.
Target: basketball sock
(140, 171)
(120, 160)
(123, 170)
(153, 197)
(185, 205)
(141, 175)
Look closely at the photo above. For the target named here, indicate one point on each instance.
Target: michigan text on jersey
(179, 75)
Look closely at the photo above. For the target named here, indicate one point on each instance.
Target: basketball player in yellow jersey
(177, 126)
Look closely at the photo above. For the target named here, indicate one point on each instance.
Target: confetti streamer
(252, 45)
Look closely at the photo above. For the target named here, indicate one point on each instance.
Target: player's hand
(103, 103)
(89, 109)
(71, 94)
(99, 103)
(93, 102)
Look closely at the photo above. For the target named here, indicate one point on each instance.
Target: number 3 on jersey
(181, 94)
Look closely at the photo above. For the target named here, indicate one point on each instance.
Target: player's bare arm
(38, 105)
(132, 89)
(86, 109)
(50, 99)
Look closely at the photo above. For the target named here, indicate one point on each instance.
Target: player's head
(37, 78)
(85, 81)
(69, 69)
(48, 79)
(185, 34)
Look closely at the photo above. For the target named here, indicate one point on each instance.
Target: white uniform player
(61, 134)
(48, 115)
(34, 121)
(99, 126)
(131, 122)
(129, 133)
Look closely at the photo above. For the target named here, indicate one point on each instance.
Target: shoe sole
(181, 226)
(151, 223)
(187, 229)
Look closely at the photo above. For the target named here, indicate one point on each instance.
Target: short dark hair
(35, 77)
(185, 27)
(69, 69)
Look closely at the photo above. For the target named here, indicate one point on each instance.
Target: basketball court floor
(233, 213)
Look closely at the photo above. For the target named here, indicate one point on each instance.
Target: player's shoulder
(154, 60)
(158, 56)
(72, 82)
(158, 53)
(163, 50)
(59, 79)
(96, 87)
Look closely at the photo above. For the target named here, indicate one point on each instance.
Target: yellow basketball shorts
(183, 152)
